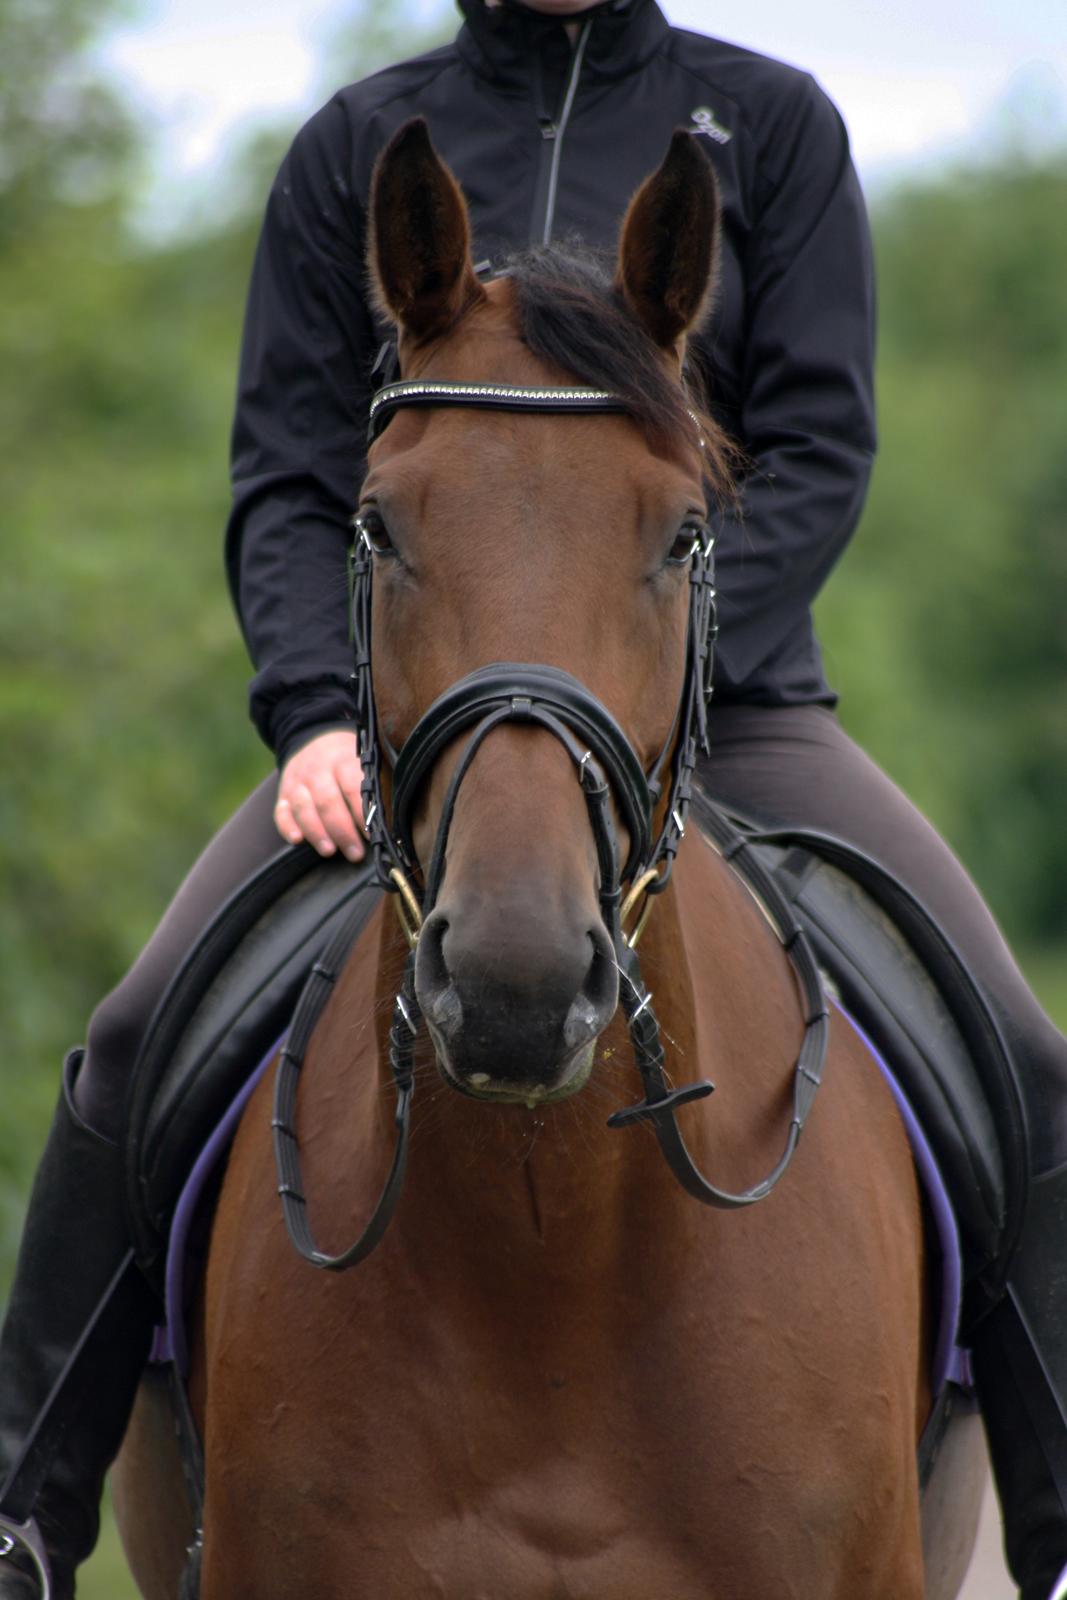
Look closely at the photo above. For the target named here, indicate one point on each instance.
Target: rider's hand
(318, 796)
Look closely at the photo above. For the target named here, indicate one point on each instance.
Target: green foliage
(944, 626)
(122, 674)
(373, 36)
(63, 134)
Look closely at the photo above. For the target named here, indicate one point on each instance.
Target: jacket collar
(501, 43)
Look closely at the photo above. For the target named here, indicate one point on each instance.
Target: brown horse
(557, 1375)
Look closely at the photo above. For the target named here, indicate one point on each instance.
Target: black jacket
(789, 345)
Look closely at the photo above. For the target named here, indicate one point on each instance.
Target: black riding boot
(74, 1341)
(1020, 1358)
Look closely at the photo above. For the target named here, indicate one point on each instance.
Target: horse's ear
(419, 252)
(669, 246)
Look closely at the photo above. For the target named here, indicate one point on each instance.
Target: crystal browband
(489, 396)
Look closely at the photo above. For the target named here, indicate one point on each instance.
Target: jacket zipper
(552, 136)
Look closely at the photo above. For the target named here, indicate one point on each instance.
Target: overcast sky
(916, 79)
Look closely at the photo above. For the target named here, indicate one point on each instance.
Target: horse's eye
(687, 542)
(370, 527)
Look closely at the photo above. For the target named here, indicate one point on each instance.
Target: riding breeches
(119, 1023)
(781, 766)
(795, 766)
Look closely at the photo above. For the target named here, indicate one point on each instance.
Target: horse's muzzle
(514, 1011)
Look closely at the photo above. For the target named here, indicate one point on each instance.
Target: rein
(605, 765)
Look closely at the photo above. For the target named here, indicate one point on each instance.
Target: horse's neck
(527, 1185)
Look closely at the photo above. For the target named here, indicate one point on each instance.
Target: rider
(550, 112)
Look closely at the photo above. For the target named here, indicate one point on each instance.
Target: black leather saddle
(902, 980)
(892, 966)
(227, 1004)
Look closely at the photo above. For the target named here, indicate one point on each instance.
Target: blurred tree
(374, 36)
(945, 623)
(122, 675)
(64, 136)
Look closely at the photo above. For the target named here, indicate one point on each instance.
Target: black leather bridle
(607, 766)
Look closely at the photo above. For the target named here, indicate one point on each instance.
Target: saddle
(224, 1009)
(900, 977)
(895, 971)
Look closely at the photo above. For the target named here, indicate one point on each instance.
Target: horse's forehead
(426, 454)
(487, 339)
(460, 462)
(603, 458)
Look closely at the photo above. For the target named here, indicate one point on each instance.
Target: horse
(556, 1374)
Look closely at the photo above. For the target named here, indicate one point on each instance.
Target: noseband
(607, 767)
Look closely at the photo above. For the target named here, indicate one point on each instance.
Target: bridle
(524, 692)
(606, 766)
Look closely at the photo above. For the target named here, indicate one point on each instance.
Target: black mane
(571, 315)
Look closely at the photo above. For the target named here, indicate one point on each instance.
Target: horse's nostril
(602, 979)
(583, 1023)
(441, 1005)
(430, 961)
(595, 1004)
(445, 1011)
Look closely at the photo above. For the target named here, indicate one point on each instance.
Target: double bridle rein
(606, 765)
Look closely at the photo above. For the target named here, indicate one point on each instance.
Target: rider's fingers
(332, 806)
(350, 780)
(286, 823)
(312, 825)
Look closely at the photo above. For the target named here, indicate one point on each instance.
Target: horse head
(559, 545)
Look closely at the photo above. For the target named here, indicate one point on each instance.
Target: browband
(487, 396)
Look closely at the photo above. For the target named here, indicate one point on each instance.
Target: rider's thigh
(796, 766)
(117, 1026)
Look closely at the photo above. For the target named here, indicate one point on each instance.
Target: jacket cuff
(298, 716)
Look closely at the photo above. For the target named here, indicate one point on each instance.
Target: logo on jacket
(705, 121)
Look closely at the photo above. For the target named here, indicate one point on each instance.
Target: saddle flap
(901, 978)
(226, 1005)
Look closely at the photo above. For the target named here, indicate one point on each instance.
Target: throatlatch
(606, 765)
